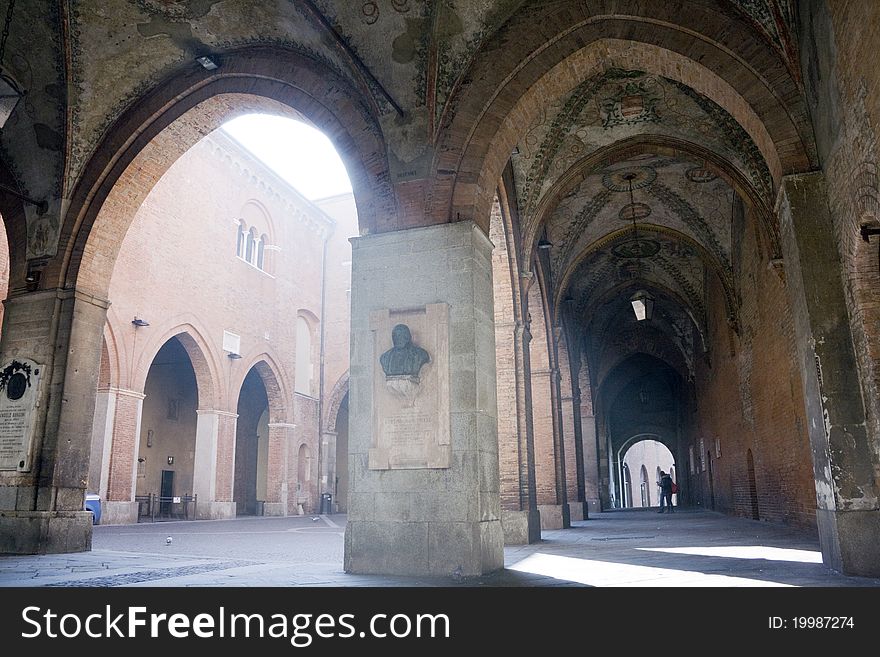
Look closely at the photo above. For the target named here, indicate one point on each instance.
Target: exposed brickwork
(542, 405)
(565, 391)
(851, 169)
(218, 291)
(481, 152)
(125, 439)
(751, 398)
(505, 364)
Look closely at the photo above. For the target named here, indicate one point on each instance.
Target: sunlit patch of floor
(609, 573)
(747, 552)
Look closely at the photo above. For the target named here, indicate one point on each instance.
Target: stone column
(278, 501)
(41, 499)
(844, 457)
(444, 517)
(212, 466)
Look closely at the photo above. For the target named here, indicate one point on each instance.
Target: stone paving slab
(613, 549)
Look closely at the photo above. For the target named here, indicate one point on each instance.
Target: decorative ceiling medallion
(636, 248)
(700, 175)
(634, 211)
(634, 101)
(621, 179)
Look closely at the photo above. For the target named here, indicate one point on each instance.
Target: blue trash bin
(93, 504)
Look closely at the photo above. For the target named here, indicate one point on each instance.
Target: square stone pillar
(213, 467)
(45, 465)
(843, 455)
(439, 516)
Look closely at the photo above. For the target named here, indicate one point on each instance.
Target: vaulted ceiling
(637, 179)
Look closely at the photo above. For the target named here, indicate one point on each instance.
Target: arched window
(644, 486)
(303, 357)
(251, 243)
(261, 247)
(239, 242)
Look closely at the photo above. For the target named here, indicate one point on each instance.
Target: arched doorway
(166, 452)
(251, 446)
(648, 456)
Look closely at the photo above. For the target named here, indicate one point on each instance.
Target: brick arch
(617, 378)
(166, 121)
(504, 95)
(666, 351)
(334, 402)
(658, 145)
(709, 260)
(201, 355)
(657, 435)
(109, 374)
(280, 410)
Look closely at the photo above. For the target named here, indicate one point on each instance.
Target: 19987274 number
(811, 623)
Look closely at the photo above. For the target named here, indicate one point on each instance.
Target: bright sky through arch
(300, 154)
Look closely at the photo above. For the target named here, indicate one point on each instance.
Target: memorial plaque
(19, 384)
(411, 388)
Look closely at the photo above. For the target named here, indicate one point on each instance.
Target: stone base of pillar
(850, 541)
(521, 527)
(274, 509)
(580, 511)
(45, 532)
(555, 516)
(424, 548)
(119, 513)
(215, 510)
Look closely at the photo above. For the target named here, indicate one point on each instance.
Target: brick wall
(751, 398)
(178, 269)
(505, 365)
(542, 407)
(843, 87)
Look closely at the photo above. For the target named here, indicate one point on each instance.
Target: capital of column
(123, 392)
(212, 411)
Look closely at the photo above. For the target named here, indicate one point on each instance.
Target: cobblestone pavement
(612, 549)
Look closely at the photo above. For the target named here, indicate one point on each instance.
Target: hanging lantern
(643, 305)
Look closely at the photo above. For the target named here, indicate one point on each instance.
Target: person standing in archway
(665, 491)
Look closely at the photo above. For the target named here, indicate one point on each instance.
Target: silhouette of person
(404, 358)
(665, 491)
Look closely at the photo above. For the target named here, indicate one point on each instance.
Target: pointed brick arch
(201, 356)
(269, 373)
(503, 96)
(172, 117)
(334, 402)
